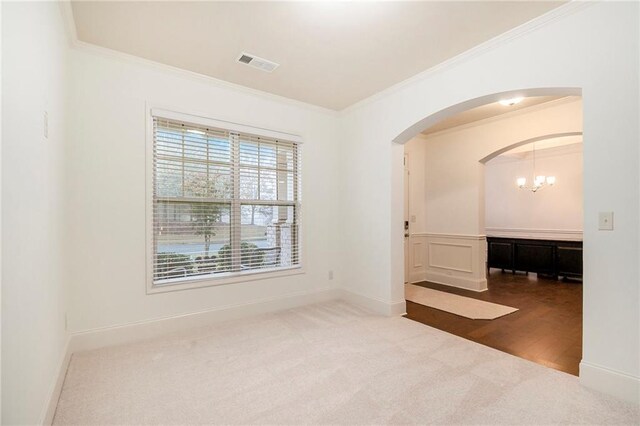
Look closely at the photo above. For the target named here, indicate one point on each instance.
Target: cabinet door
(535, 258)
(500, 255)
(570, 261)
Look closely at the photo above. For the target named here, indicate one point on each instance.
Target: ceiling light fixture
(510, 102)
(539, 181)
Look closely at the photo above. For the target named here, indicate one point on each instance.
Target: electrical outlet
(330, 275)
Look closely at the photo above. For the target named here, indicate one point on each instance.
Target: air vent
(257, 62)
(245, 59)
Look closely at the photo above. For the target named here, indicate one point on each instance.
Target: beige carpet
(330, 363)
(455, 304)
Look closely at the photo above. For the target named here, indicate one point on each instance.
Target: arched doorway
(453, 240)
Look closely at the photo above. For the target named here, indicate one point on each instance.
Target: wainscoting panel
(417, 256)
(450, 259)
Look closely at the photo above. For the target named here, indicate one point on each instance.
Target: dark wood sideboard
(546, 257)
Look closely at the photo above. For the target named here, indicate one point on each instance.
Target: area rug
(456, 304)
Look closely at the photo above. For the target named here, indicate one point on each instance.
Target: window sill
(187, 283)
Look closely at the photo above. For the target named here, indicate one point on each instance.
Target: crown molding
(79, 45)
(533, 25)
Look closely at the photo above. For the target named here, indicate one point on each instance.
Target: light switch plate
(605, 221)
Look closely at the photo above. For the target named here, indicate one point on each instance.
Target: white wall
(593, 47)
(554, 212)
(106, 187)
(34, 299)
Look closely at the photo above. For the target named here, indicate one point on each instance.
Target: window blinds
(224, 202)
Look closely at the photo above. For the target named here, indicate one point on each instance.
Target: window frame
(185, 283)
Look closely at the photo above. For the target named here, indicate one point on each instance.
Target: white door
(406, 218)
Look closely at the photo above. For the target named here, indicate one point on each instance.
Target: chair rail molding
(451, 236)
(547, 234)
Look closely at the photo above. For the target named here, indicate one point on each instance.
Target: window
(225, 202)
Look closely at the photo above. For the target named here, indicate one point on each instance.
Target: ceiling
(331, 54)
(482, 112)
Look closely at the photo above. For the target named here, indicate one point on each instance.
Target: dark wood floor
(547, 329)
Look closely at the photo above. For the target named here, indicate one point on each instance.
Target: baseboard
(472, 284)
(376, 305)
(127, 333)
(56, 387)
(609, 381)
(417, 277)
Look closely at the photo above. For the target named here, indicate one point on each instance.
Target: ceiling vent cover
(257, 62)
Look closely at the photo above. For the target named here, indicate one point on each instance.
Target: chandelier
(539, 181)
